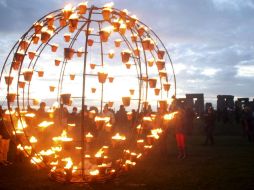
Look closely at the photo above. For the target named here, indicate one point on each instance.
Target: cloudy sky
(211, 42)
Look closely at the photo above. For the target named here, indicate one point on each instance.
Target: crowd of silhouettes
(122, 121)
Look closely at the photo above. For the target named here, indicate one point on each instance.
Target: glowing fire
(36, 159)
(99, 154)
(147, 118)
(63, 137)
(105, 119)
(33, 139)
(169, 116)
(45, 124)
(69, 162)
(47, 152)
(31, 115)
(67, 7)
(56, 149)
(21, 125)
(119, 137)
(109, 5)
(94, 172)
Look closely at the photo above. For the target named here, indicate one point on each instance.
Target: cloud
(210, 42)
(245, 70)
(210, 72)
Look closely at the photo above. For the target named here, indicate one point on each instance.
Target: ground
(229, 164)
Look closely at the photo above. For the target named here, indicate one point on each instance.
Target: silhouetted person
(237, 112)
(247, 122)
(121, 116)
(225, 116)
(189, 117)
(209, 126)
(134, 117)
(108, 113)
(73, 116)
(41, 114)
(5, 131)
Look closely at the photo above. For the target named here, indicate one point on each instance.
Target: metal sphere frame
(85, 19)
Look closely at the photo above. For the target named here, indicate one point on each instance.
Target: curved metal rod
(9, 108)
(60, 82)
(83, 98)
(102, 64)
(43, 47)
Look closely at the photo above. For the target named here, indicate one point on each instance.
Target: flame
(107, 29)
(119, 137)
(139, 155)
(47, 152)
(134, 154)
(67, 7)
(123, 26)
(54, 163)
(126, 51)
(94, 172)
(111, 52)
(21, 124)
(105, 119)
(169, 116)
(108, 5)
(127, 151)
(8, 112)
(36, 159)
(45, 124)
(63, 137)
(22, 148)
(134, 17)
(103, 165)
(128, 162)
(73, 16)
(74, 169)
(140, 141)
(105, 148)
(90, 30)
(53, 169)
(33, 139)
(45, 30)
(139, 127)
(30, 115)
(56, 149)
(125, 11)
(147, 118)
(89, 135)
(69, 163)
(99, 154)
(155, 133)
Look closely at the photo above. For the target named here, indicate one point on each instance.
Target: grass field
(229, 164)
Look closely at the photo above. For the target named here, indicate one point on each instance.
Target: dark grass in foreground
(229, 164)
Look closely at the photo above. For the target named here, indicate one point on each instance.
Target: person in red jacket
(180, 133)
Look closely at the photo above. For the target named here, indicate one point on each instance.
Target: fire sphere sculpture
(106, 57)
